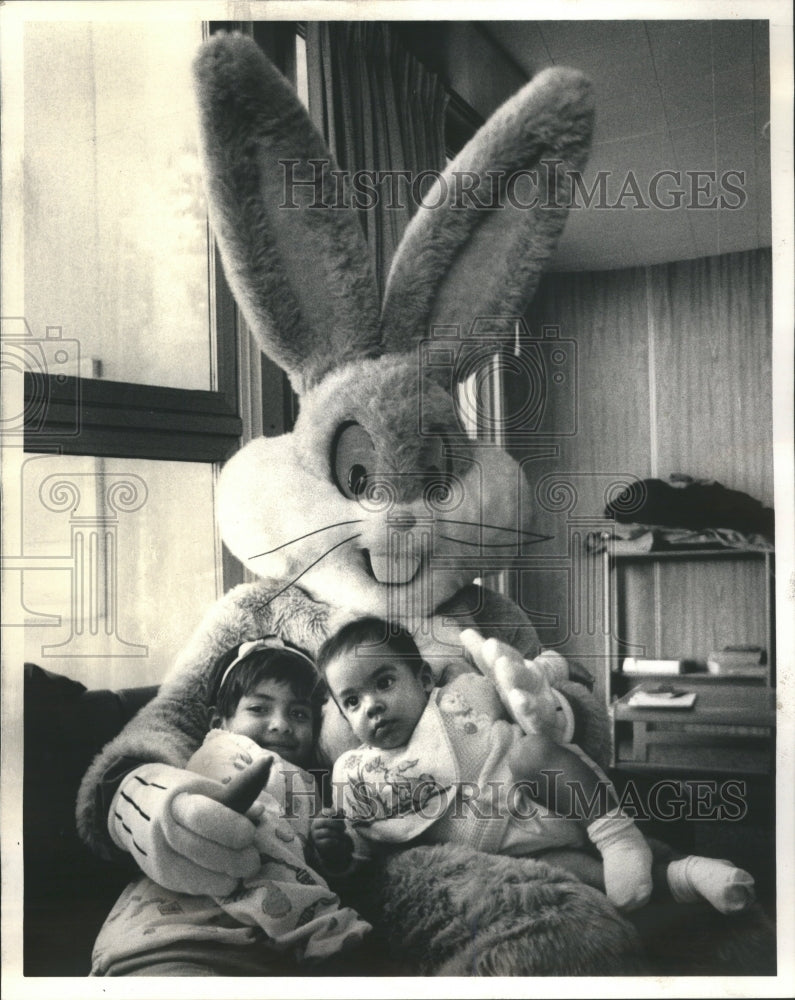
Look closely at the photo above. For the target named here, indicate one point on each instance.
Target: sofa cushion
(68, 891)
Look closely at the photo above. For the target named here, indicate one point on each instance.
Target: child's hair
(374, 633)
(279, 663)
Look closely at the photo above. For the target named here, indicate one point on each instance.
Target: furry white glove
(524, 686)
(174, 824)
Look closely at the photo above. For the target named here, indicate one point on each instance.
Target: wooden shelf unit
(686, 603)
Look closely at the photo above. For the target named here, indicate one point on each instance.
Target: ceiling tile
(704, 226)
(740, 148)
(633, 114)
(694, 148)
(734, 92)
(736, 143)
(680, 48)
(563, 38)
(595, 241)
(654, 86)
(615, 74)
(732, 229)
(732, 44)
(764, 220)
(687, 99)
(523, 41)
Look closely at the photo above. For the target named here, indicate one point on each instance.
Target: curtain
(380, 110)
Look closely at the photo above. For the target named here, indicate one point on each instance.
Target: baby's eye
(255, 709)
(300, 714)
(350, 702)
(384, 683)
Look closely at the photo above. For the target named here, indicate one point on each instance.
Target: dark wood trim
(483, 30)
(118, 419)
(461, 122)
(277, 41)
(130, 443)
(225, 316)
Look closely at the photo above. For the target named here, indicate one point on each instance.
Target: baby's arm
(338, 846)
(331, 844)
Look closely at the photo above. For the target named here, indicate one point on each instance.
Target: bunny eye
(352, 459)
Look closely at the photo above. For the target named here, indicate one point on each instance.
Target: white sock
(719, 882)
(626, 857)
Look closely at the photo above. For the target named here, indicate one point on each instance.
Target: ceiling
(670, 95)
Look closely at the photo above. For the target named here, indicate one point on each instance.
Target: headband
(267, 642)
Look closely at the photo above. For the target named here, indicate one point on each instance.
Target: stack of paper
(662, 699)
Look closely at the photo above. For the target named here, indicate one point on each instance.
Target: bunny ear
(300, 275)
(488, 225)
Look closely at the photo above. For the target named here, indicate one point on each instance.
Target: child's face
(276, 719)
(380, 696)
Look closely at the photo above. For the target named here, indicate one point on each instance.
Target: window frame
(120, 419)
(137, 420)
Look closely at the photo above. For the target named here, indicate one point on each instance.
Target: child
(432, 769)
(267, 708)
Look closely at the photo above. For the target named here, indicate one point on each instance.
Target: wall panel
(673, 375)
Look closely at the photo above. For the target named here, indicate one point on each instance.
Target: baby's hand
(331, 843)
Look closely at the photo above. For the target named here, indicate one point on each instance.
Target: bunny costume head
(376, 500)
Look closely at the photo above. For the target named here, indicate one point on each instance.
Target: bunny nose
(402, 522)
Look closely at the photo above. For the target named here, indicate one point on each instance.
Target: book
(738, 654)
(642, 665)
(738, 661)
(664, 698)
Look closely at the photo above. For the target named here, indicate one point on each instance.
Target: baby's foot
(627, 860)
(719, 882)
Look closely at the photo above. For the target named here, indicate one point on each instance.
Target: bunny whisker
(483, 545)
(526, 536)
(306, 569)
(308, 534)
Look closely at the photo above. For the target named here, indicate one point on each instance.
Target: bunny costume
(377, 502)
(286, 908)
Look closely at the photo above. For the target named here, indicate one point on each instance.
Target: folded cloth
(695, 504)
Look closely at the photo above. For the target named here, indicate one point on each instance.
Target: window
(140, 377)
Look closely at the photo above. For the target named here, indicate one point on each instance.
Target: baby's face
(380, 696)
(273, 717)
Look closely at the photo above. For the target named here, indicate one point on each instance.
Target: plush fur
(294, 273)
(325, 552)
(485, 915)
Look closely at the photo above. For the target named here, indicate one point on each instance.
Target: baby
(432, 768)
(263, 724)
